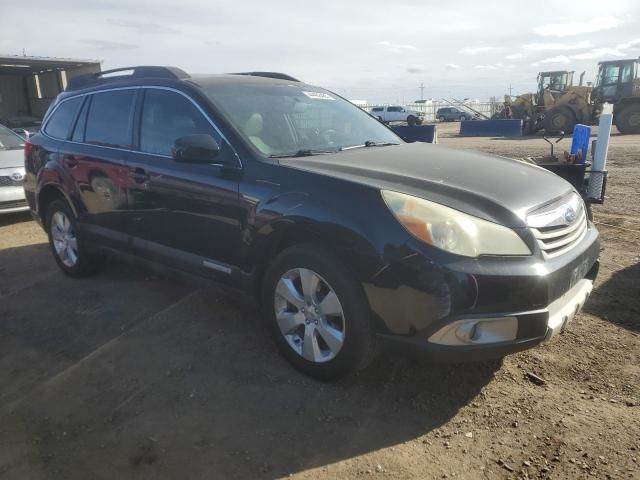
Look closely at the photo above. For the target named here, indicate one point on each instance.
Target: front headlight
(452, 230)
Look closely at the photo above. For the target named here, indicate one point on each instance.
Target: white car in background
(11, 172)
(396, 113)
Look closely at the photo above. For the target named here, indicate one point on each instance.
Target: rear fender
(52, 176)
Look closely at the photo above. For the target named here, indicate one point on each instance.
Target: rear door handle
(138, 175)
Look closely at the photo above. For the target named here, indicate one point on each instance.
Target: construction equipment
(617, 83)
(554, 87)
(560, 105)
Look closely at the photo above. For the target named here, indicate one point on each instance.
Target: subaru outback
(349, 238)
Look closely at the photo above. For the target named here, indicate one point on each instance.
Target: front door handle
(138, 175)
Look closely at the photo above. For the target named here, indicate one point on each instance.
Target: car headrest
(253, 125)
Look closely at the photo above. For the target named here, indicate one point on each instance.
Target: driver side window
(167, 116)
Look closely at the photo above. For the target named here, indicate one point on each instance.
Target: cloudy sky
(377, 50)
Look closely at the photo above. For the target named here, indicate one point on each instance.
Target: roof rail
(82, 81)
(276, 75)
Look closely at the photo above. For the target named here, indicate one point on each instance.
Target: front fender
(365, 236)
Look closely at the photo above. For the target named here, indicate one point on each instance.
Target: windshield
(10, 140)
(280, 119)
(554, 81)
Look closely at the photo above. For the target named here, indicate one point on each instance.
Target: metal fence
(430, 109)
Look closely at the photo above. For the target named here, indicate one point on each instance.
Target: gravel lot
(137, 373)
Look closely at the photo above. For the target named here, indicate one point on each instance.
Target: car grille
(9, 182)
(13, 204)
(558, 227)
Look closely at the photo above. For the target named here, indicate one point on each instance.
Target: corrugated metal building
(29, 84)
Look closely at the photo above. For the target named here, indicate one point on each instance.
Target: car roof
(151, 75)
(235, 79)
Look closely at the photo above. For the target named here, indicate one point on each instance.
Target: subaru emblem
(569, 214)
(17, 176)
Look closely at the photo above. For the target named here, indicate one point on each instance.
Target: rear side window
(167, 116)
(109, 119)
(59, 125)
(377, 109)
(394, 109)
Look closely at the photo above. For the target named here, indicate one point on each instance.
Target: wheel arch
(47, 194)
(355, 251)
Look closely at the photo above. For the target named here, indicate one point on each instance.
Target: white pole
(594, 189)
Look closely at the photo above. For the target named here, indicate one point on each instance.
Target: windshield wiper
(369, 143)
(373, 143)
(302, 153)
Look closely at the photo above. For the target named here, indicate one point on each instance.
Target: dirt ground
(147, 375)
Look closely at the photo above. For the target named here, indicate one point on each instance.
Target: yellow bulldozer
(560, 105)
(554, 88)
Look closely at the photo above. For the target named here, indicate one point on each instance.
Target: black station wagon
(349, 237)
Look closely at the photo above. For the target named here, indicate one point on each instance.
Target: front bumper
(12, 199)
(452, 343)
(483, 308)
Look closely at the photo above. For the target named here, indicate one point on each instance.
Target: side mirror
(198, 148)
(22, 132)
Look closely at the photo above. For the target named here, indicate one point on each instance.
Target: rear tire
(561, 118)
(628, 120)
(441, 119)
(296, 315)
(70, 252)
(463, 118)
(411, 120)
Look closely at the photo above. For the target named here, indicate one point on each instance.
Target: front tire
(462, 118)
(411, 120)
(441, 119)
(71, 254)
(561, 118)
(317, 313)
(628, 120)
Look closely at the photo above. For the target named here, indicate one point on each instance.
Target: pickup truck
(394, 113)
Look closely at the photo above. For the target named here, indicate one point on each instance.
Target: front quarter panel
(352, 221)
(285, 204)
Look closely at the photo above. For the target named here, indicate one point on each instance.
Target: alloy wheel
(309, 315)
(64, 239)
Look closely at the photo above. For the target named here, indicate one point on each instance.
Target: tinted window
(60, 122)
(109, 118)
(167, 116)
(377, 109)
(78, 131)
(394, 109)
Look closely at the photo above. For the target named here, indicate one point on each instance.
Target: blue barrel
(580, 141)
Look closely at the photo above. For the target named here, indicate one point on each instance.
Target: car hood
(497, 189)
(11, 158)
